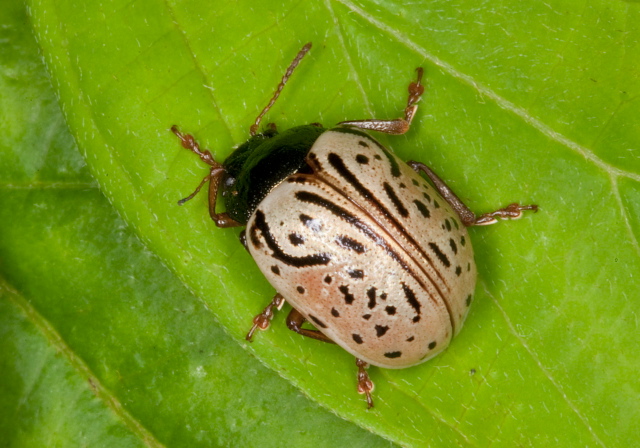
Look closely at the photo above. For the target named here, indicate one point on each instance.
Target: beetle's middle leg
(511, 211)
(365, 385)
(399, 125)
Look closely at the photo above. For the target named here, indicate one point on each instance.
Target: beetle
(358, 242)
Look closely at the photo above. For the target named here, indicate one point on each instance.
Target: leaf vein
(502, 102)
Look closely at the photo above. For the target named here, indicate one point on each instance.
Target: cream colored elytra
(367, 251)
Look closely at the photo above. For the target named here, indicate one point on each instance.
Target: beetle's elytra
(360, 245)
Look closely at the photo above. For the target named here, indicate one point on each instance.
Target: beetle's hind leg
(399, 125)
(215, 175)
(365, 386)
(512, 211)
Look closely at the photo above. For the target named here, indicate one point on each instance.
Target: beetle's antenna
(285, 78)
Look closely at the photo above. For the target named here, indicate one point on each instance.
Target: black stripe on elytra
(442, 257)
(350, 244)
(260, 224)
(393, 354)
(396, 200)
(313, 198)
(317, 321)
(411, 298)
(338, 164)
(395, 168)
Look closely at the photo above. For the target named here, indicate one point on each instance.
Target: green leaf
(101, 345)
(527, 102)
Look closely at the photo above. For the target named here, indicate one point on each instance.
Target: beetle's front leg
(512, 211)
(215, 175)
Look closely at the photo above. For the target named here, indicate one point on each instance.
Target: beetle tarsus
(365, 385)
(263, 320)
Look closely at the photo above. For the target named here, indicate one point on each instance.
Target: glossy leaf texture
(528, 102)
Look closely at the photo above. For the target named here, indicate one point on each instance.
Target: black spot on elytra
(348, 297)
(317, 321)
(447, 224)
(363, 143)
(377, 157)
(393, 355)
(427, 197)
(454, 248)
(442, 257)
(422, 208)
(458, 271)
(334, 312)
(275, 270)
(371, 293)
(362, 159)
(469, 297)
(296, 180)
(462, 241)
(328, 279)
(383, 296)
(296, 239)
(402, 185)
(410, 338)
(366, 316)
(355, 273)
(391, 310)
(381, 330)
(357, 338)
(468, 267)
(435, 204)
(414, 182)
(300, 289)
(432, 345)
(455, 223)
(416, 319)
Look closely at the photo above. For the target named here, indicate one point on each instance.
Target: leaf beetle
(361, 246)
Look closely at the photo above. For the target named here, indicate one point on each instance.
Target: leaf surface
(525, 102)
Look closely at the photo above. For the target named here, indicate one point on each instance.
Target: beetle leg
(214, 177)
(263, 319)
(399, 125)
(512, 211)
(365, 385)
(295, 321)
